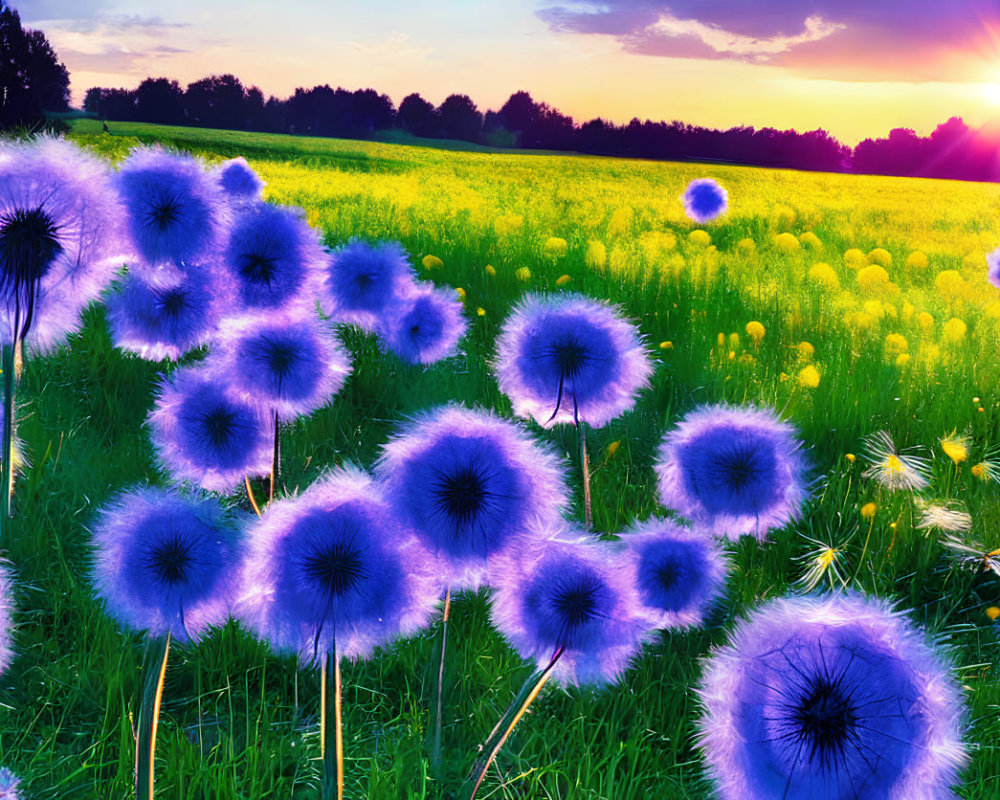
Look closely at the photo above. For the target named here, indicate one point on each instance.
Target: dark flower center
(218, 426)
(164, 214)
(281, 356)
(569, 357)
(29, 244)
(666, 575)
(257, 268)
(364, 281)
(824, 718)
(169, 562)
(737, 468)
(461, 494)
(575, 604)
(172, 302)
(337, 568)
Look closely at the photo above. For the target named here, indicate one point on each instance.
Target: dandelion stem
(7, 365)
(276, 459)
(253, 501)
(542, 680)
(149, 715)
(333, 759)
(436, 750)
(871, 524)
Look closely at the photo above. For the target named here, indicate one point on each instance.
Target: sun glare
(991, 91)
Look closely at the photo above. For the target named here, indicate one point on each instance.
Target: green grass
(231, 727)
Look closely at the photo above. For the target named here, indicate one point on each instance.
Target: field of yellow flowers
(851, 305)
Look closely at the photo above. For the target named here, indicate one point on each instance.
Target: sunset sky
(854, 67)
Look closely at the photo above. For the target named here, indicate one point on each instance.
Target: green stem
(436, 750)
(484, 764)
(333, 758)
(155, 670)
(275, 459)
(588, 518)
(7, 365)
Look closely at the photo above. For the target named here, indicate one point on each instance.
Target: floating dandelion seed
(993, 267)
(239, 181)
(174, 207)
(284, 362)
(333, 570)
(577, 599)
(469, 483)
(819, 699)
(943, 516)
(735, 470)
(570, 358)
(272, 257)
(679, 574)
(427, 327)
(165, 317)
(165, 563)
(891, 468)
(973, 554)
(825, 561)
(363, 282)
(704, 200)
(203, 435)
(61, 239)
(6, 621)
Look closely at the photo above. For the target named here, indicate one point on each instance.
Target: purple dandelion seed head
(427, 327)
(578, 595)
(993, 267)
(733, 471)
(679, 573)
(61, 239)
(469, 484)
(175, 209)
(335, 568)
(238, 180)
(285, 362)
(205, 435)
(569, 357)
(165, 562)
(363, 282)
(272, 257)
(8, 785)
(163, 317)
(824, 698)
(704, 200)
(6, 619)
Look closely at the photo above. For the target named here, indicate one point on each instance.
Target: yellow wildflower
(596, 256)
(432, 262)
(949, 284)
(562, 280)
(824, 276)
(891, 468)
(613, 447)
(916, 260)
(786, 243)
(699, 237)
(955, 447)
(734, 339)
(666, 345)
(880, 256)
(993, 613)
(954, 329)
(851, 457)
(902, 359)
(895, 343)
(523, 274)
(747, 246)
(868, 510)
(855, 259)
(926, 321)
(872, 279)
(490, 270)
(481, 312)
(809, 377)
(461, 293)
(755, 331)
(806, 351)
(555, 247)
(810, 240)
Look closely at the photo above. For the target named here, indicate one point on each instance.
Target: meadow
(874, 314)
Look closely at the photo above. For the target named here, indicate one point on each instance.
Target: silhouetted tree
(31, 78)
(417, 116)
(216, 102)
(460, 119)
(160, 100)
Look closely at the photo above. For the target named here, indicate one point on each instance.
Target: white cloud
(735, 44)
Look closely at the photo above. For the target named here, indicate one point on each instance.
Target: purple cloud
(910, 39)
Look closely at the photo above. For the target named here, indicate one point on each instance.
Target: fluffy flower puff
(204, 435)
(238, 180)
(284, 362)
(993, 267)
(272, 258)
(6, 622)
(61, 239)
(8, 785)
(704, 200)
(570, 358)
(163, 316)
(734, 471)
(576, 596)
(827, 698)
(363, 282)
(469, 484)
(165, 563)
(175, 209)
(427, 327)
(679, 573)
(333, 570)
